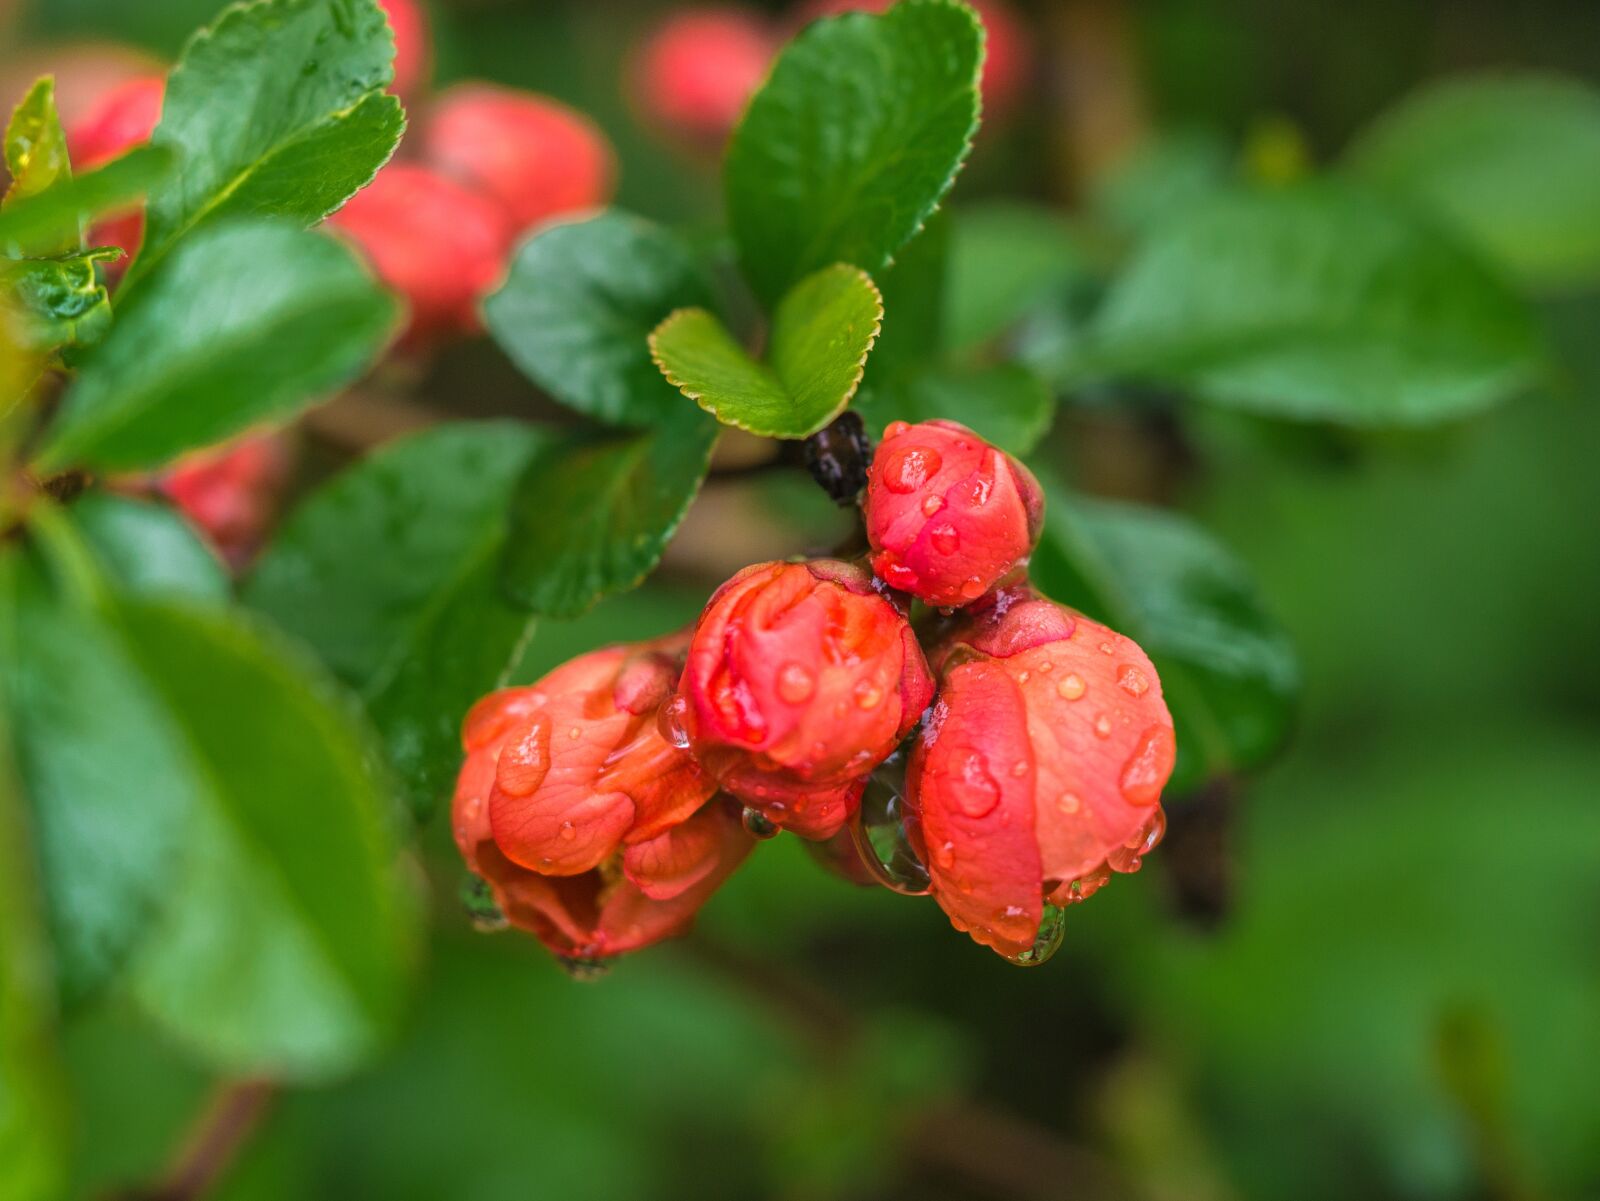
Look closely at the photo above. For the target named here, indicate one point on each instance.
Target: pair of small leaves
(36, 152)
(59, 301)
(175, 757)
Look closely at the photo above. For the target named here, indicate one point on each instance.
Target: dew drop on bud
(932, 505)
(568, 832)
(946, 540)
(1133, 681)
(979, 792)
(908, 468)
(580, 968)
(477, 898)
(1102, 726)
(1071, 687)
(973, 588)
(1052, 926)
(757, 824)
(796, 684)
(1147, 769)
(881, 832)
(868, 695)
(670, 722)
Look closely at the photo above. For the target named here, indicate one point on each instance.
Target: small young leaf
(36, 148)
(821, 335)
(391, 573)
(277, 109)
(1512, 162)
(580, 303)
(592, 515)
(248, 322)
(1317, 303)
(147, 549)
(854, 139)
(54, 217)
(1008, 405)
(61, 301)
(1228, 672)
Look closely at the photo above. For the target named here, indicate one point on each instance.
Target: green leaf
(1163, 177)
(852, 142)
(1228, 672)
(249, 322)
(284, 946)
(1317, 303)
(391, 573)
(592, 514)
(148, 549)
(33, 1117)
(278, 109)
(1512, 162)
(821, 335)
(61, 301)
(1008, 405)
(36, 148)
(54, 218)
(1005, 259)
(914, 301)
(580, 303)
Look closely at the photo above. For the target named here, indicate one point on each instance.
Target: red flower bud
(1041, 768)
(800, 680)
(413, 48)
(697, 71)
(535, 158)
(441, 246)
(231, 493)
(593, 832)
(947, 514)
(119, 120)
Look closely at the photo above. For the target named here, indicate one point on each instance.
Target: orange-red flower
(697, 71)
(231, 492)
(1040, 769)
(413, 48)
(948, 515)
(592, 830)
(801, 678)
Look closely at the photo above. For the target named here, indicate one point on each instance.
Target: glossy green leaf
(1008, 405)
(914, 303)
(592, 514)
(1316, 303)
(1512, 162)
(278, 109)
(821, 335)
(149, 549)
(283, 946)
(852, 142)
(1228, 672)
(36, 148)
(391, 573)
(61, 300)
(54, 217)
(580, 303)
(248, 322)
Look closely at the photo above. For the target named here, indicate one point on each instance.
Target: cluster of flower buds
(694, 74)
(1016, 762)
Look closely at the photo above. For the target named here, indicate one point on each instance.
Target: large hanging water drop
(477, 898)
(758, 825)
(1052, 926)
(881, 835)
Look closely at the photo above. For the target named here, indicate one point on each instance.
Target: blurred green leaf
(277, 109)
(282, 949)
(1227, 671)
(33, 1133)
(149, 549)
(914, 302)
(61, 300)
(36, 148)
(1511, 161)
(1162, 178)
(1008, 405)
(852, 142)
(54, 217)
(1316, 303)
(1004, 260)
(391, 572)
(577, 310)
(821, 334)
(592, 514)
(248, 322)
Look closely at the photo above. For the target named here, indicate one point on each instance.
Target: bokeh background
(1372, 971)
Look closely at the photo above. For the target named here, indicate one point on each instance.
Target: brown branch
(211, 1145)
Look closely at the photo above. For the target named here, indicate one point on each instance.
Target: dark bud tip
(838, 458)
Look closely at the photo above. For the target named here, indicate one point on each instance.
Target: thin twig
(211, 1145)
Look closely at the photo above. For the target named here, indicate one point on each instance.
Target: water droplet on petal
(1102, 726)
(1069, 802)
(1146, 771)
(1130, 856)
(868, 695)
(979, 792)
(1107, 649)
(1019, 768)
(1133, 681)
(973, 587)
(568, 832)
(670, 722)
(946, 855)
(757, 824)
(945, 539)
(882, 833)
(894, 429)
(1052, 927)
(931, 505)
(575, 733)
(907, 468)
(1071, 687)
(797, 684)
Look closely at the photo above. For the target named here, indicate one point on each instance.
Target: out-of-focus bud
(1007, 58)
(232, 492)
(800, 680)
(948, 515)
(440, 245)
(413, 47)
(534, 157)
(1040, 769)
(592, 830)
(122, 118)
(698, 69)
